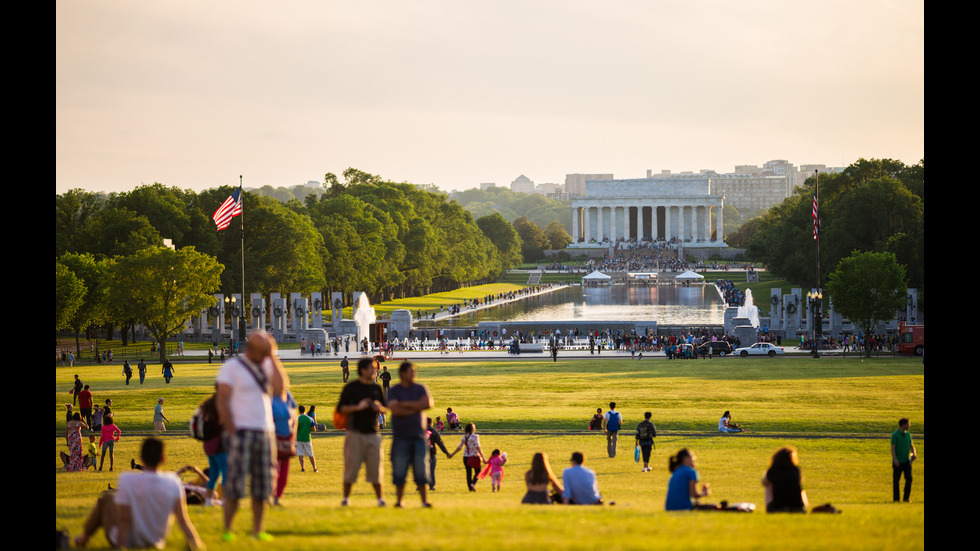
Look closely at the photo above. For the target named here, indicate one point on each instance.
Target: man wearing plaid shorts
(245, 384)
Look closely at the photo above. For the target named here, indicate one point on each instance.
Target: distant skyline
(194, 94)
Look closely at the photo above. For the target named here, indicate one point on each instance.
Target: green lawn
(838, 412)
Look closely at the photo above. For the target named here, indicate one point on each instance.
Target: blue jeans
(413, 451)
(217, 464)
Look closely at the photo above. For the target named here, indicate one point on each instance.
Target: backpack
(612, 424)
(200, 426)
(646, 431)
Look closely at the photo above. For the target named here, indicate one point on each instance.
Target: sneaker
(426, 505)
(344, 502)
(381, 503)
(263, 536)
(228, 537)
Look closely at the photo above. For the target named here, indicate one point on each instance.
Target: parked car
(715, 348)
(760, 349)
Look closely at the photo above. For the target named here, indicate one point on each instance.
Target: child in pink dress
(496, 464)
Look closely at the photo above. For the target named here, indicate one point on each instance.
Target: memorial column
(719, 224)
(639, 222)
(653, 222)
(586, 225)
(575, 233)
(612, 224)
(600, 231)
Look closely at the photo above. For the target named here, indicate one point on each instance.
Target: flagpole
(819, 295)
(241, 319)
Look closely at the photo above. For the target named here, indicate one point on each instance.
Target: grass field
(838, 412)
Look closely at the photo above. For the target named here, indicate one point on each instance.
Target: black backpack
(646, 431)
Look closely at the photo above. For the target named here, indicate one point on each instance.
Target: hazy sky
(193, 94)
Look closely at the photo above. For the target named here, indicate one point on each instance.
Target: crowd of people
(251, 427)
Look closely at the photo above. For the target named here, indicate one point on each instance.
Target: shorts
(304, 449)
(250, 454)
(360, 447)
(409, 451)
(108, 445)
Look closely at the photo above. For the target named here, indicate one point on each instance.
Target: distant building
(487, 186)
(575, 183)
(522, 184)
(547, 189)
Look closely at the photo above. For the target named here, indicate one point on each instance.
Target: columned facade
(647, 209)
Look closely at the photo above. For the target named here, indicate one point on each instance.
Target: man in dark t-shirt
(362, 400)
(409, 445)
(385, 380)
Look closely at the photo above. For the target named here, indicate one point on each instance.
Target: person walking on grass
(304, 444)
(361, 400)
(645, 433)
(903, 454)
(159, 418)
(472, 455)
(407, 400)
(612, 421)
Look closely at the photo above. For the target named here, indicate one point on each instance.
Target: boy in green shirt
(304, 447)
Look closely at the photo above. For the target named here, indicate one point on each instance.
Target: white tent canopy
(597, 276)
(690, 275)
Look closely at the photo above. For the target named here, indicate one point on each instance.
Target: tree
(117, 231)
(556, 235)
(867, 287)
(69, 295)
(164, 288)
(502, 234)
(533, 239)
(93, 310)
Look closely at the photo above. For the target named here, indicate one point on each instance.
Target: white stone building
(647, 209)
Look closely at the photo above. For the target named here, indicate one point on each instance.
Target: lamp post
(231, 301)
(815, 299)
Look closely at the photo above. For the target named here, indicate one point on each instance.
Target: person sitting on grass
(139, 512)
(682, 492)
(581, 487)
(783, 483)
(725, 424)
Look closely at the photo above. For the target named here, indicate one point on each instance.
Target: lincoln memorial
(651, 209)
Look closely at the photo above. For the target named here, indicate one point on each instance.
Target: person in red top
(85, 404)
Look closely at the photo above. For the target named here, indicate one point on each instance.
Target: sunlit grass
(837, 412)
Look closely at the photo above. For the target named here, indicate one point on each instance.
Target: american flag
(231, 208)
(815, 218)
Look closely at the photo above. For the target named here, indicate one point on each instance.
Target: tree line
(872, 206)
(362, 233)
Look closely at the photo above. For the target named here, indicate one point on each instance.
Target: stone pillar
(600, 231)
(575, 230)
(585, 224)
(668, 219)
(612, 224)
(719, 224)
(257, 313)
(639, 222)
(653, 223)
(216, 313)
